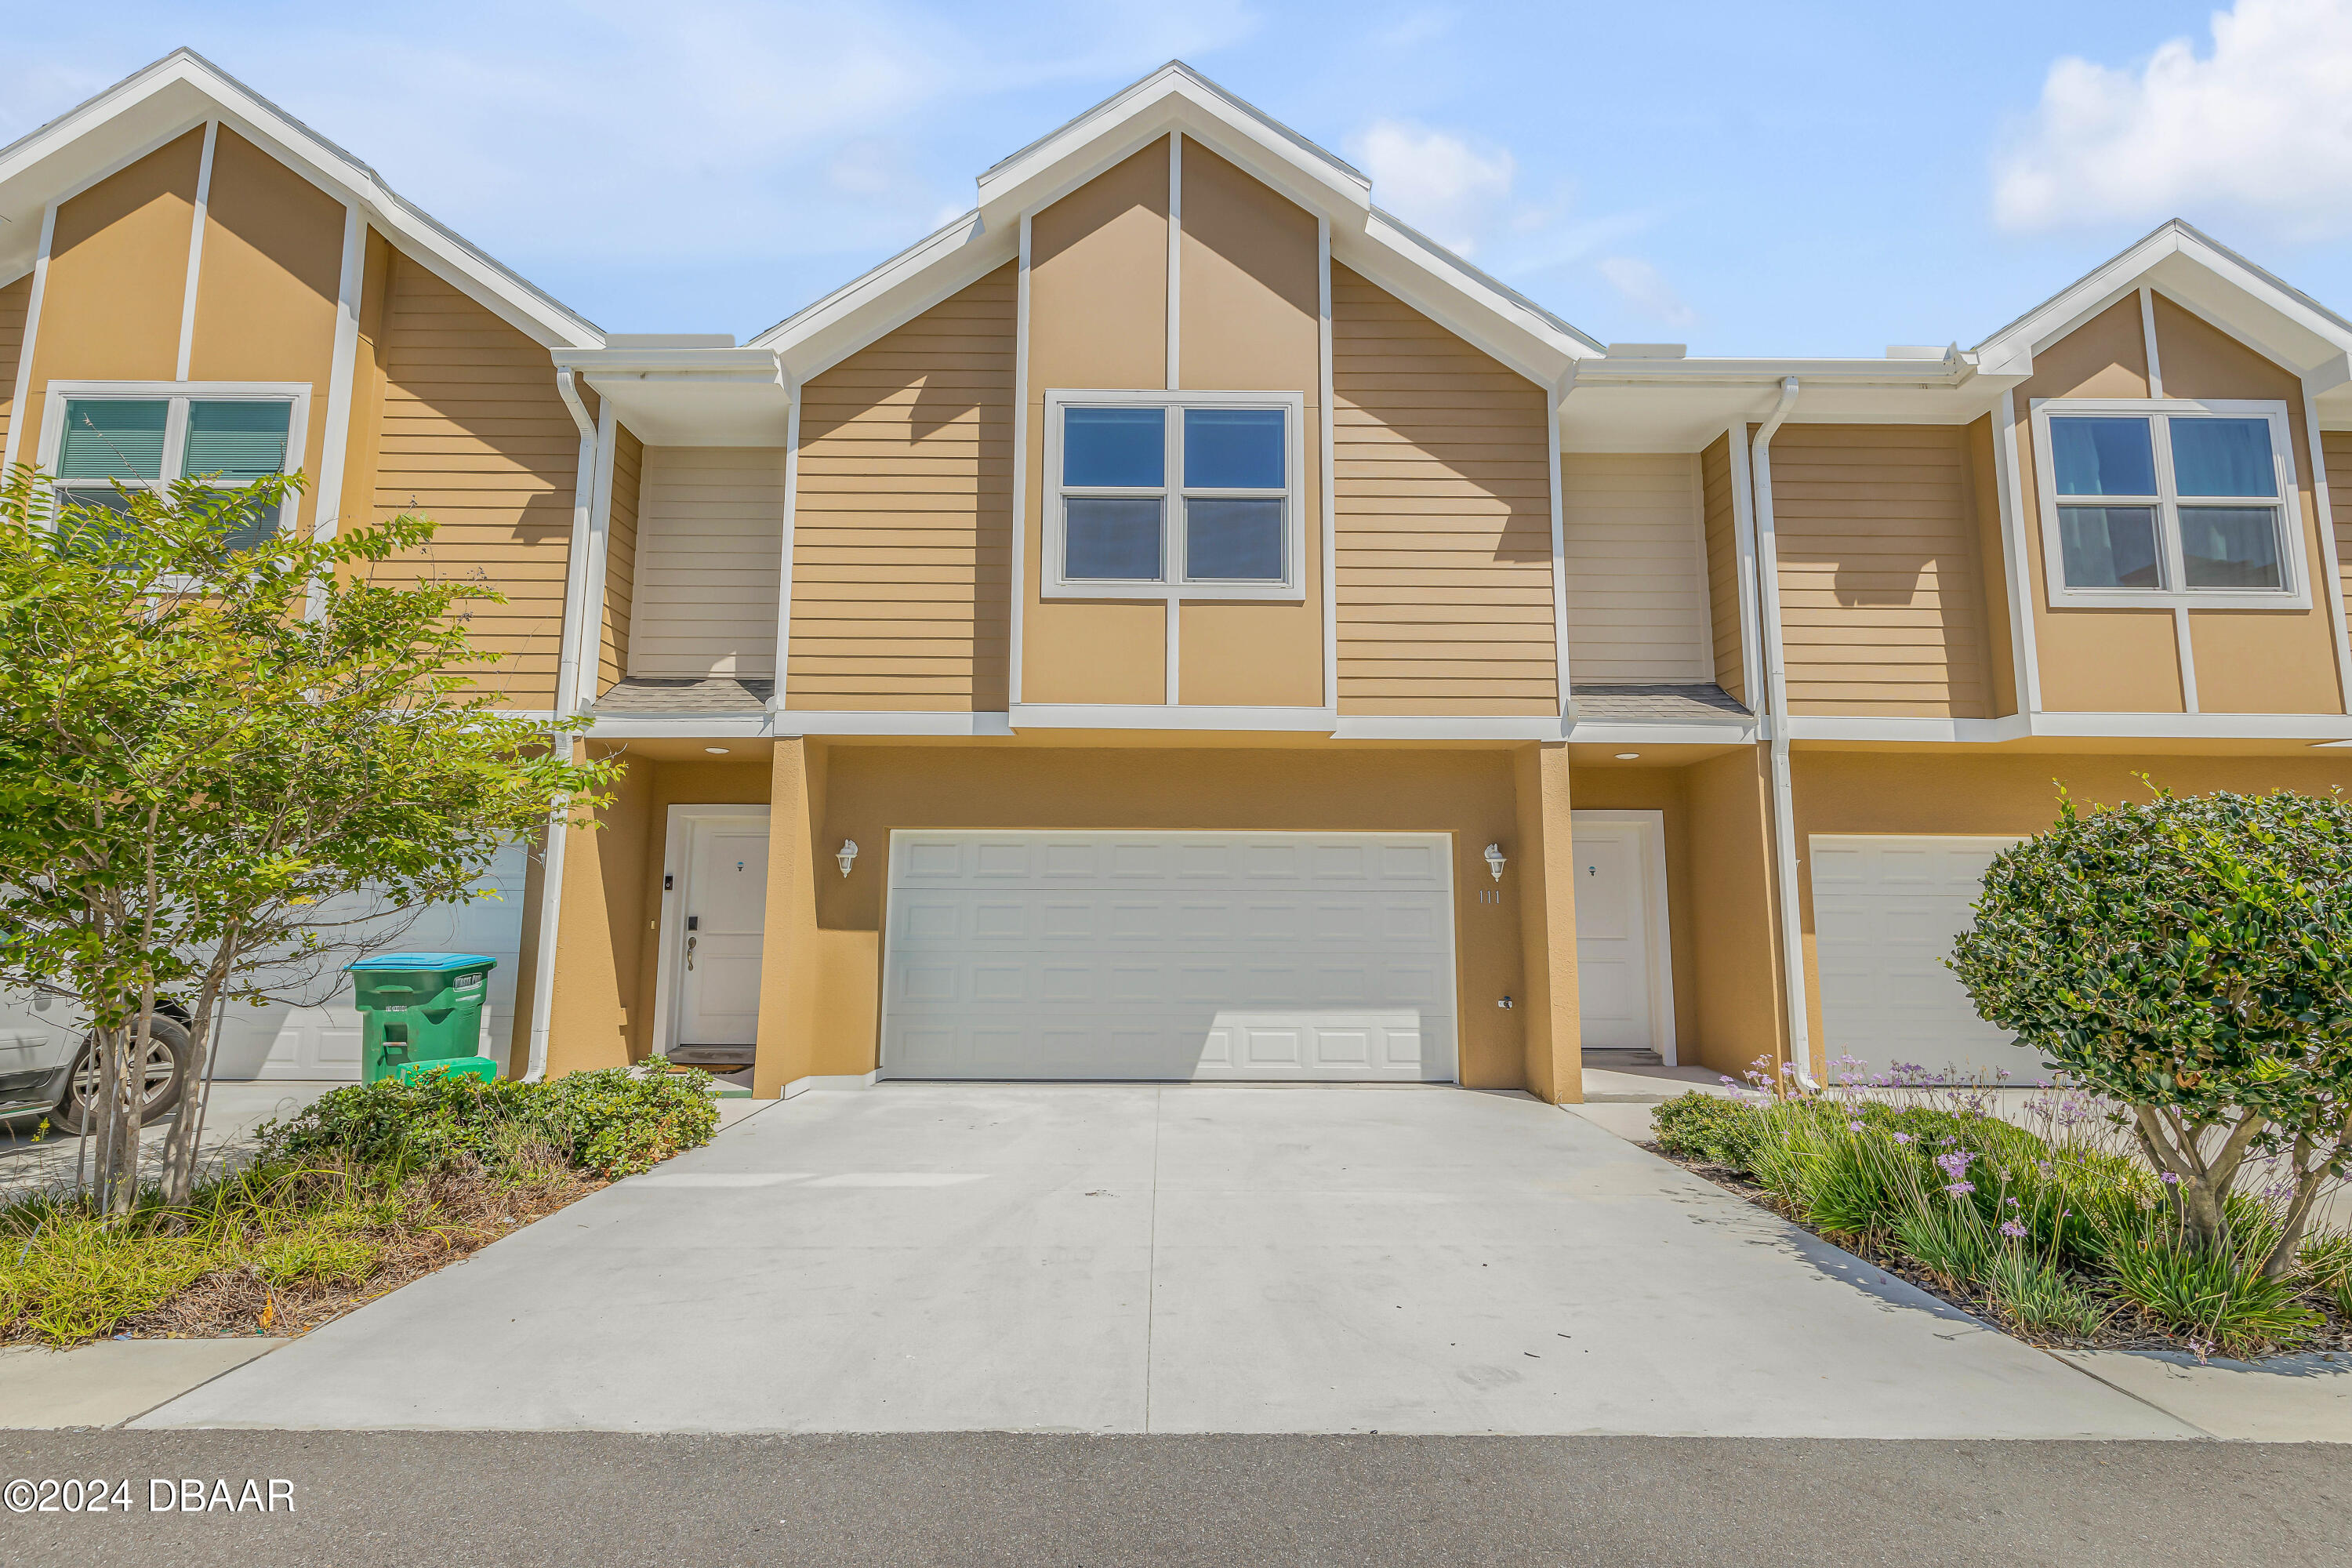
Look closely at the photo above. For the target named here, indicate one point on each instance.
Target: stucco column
(1545, 863)
(788, 956)
(600, 932)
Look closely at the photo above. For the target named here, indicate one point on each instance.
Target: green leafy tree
(224, 771)
(2190, 959)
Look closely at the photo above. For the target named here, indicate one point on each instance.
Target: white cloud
(1645, 289)
(1436, 181)
(2261, 124)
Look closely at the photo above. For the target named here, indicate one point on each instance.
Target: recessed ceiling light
(716, 750)
(1627, 756)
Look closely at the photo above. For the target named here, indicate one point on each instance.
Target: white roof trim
(2010, 350)
(1495, 317)
(43, 160)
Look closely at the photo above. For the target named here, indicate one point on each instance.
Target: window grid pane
(2222, 458)
(2231, 547)
(113, 438)
(1233, 539)
(2107, 455)
(2109, 546)
(1114, 449)
(1234, 449)
(236, 443)
(1112, 539)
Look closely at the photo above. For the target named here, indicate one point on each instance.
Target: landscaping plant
(225, 768)
(2190, 961)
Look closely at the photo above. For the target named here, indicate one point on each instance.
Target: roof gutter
(567, 698)
(1776, 684)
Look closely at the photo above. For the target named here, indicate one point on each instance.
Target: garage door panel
(1886, 911)
(1126, 955)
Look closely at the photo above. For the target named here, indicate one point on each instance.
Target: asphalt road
(459, 1500)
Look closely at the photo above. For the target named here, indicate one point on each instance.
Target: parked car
(49, 1063)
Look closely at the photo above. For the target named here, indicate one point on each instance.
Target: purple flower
(2010, 1228)
(1955, 1164)
(1962, 1189)
(1853, 1126)
(1903, 1137)
(2168, 1179)
(2012, 1201)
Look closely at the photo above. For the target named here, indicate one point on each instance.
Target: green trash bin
(418, 1008)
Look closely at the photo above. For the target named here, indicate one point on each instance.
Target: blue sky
(1751, 180)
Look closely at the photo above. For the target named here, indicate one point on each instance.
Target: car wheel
(163, 1074)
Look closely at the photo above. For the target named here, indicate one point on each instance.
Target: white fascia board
(1160, 716)
(1465, 727)
(815, 722)
(687, 726)
(1952, 371)
(1489, 315)
(2315, 727)
(1171, 97)
(183, 88)
(1831, 728)
(940, 264)
(2011, 349)
(1635, 733)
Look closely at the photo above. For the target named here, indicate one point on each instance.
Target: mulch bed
(2127, 1329)
(472, 1211)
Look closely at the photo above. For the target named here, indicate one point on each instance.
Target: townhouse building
(1178, 622)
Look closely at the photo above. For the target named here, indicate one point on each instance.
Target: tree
(218, 763)
(2190, 959)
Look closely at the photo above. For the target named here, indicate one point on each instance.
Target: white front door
(1885, 910)
(1619, 996)
(724, 912)
(1170, 956)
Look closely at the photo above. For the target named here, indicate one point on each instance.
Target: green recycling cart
(419, 1008)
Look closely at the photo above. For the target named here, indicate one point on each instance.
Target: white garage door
(1169, 956)
(1885, 910)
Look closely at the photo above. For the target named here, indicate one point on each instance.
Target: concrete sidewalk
(1133, 1258)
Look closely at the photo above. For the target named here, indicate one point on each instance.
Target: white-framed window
(1174, 495)
(146, 434)
(2168, 502)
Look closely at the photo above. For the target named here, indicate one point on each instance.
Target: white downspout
(1776, 686)
(567, 690)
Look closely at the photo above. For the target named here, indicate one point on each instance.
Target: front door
(725, 911)
(1615, 981)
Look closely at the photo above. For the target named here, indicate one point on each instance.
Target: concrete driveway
(1183, 1259)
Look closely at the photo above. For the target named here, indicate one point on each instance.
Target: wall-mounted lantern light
(1494, 861)
(846, 855)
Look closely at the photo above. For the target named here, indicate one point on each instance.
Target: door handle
(689, 952)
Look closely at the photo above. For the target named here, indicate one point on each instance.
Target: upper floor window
(1194, 495)
(2168, 502)
(145, 436)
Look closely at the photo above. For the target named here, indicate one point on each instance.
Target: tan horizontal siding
(2336, 452)
(621, 558)
(1442, 528)
(1636, 559)
(475, 437)
(710, 523)
(1723, 567)
(13, 301)
(902, 529)
(1882, 597)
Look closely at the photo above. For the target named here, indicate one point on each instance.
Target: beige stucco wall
(831, 927)
(2128, 660)
(902, 542)
(1948, 790)
(267, 285)
(1250, 292)
(1443, 524)
(1881, 594)
(1098, 318)
(118, 273)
